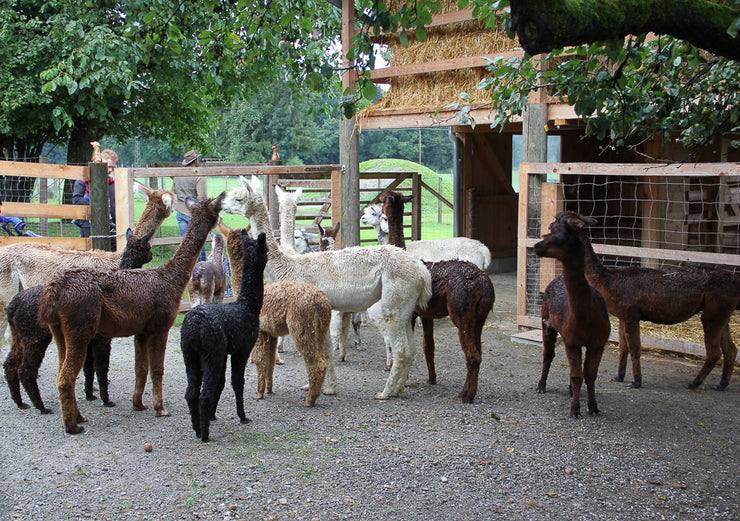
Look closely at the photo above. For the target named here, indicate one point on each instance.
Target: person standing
(81, 193)
(194, 187)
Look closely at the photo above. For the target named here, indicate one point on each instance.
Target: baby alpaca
(304, 312)
(208, 281)
(211, 332)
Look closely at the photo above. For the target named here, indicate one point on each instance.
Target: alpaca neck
(251, 291)
(287, 224)
(183, 261)
(576, 285)
(217, 254)
(595, 271)
(395, 228)
(382, 236)
(260, 223)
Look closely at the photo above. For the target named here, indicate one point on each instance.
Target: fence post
(99, 207)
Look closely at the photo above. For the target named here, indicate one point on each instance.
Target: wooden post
(125, 217)
(439, 202)
(43, 199)
(99, 207)
(349, 140)
(416, 207)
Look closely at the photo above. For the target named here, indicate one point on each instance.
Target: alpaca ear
(336, 228)
(129, 234)
(218, 201)
(255, 183)
(384, 224)
(243, 180)
(322, 232)
(279, 191)
(262, 241)
(407, 198)
(148, 236)
(297, 193)
(190, 202)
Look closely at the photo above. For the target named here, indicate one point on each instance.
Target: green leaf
(369, 90)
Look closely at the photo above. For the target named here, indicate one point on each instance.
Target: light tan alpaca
(353, 280)
(293, 308)
(24, 265)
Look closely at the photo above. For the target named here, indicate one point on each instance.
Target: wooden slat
(232, 170)
(636, 169)
(452, 64)
(47, 211)
(70, 243)
(44, 170)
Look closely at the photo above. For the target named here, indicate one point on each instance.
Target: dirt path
(660, 452)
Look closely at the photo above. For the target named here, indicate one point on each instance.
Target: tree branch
(544, 25)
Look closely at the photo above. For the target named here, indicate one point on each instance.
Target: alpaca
(211, 332)
(208, 281)
(24, 265)
(453, 248)
(574, 309)
(373, 216)
(459, 289)
(294, 308)
(118, 303)
(352, 278)
(665, 296)
(328, 237)
(31, 339)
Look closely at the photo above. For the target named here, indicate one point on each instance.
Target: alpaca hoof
(634, 385)
(23, 406)
(140, 407)
(432, 380)
(541, 389)
(258, 396)
(595, 413)
(308, 403)
(719, 387)
(279, 361)
(387, 368)
(305, 387)
(341, 359)
(109, 404)
(330, 392)
(75, 429)
(381, 396)
(576, 416)
(464, 398)
(244, 421)
(162, 412)
(90, 397)
(46, 411)
(618, 379)
(693, 385)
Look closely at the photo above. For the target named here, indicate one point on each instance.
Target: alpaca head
(373, 216)
(254, 251)
(564, 240)
(208, 209)
(138, 250)
(288, 197)
(244, 200)
(301, 241)
(328, 237)
(393, 201)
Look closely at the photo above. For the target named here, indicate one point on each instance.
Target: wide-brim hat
(190, 156)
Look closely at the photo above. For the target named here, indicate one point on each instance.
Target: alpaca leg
(575, 362)
(339, 329)
(729, 355)
(70, 368)
(590, 372)
(141, 369)
(88, 370)
(11, 368)
(258, 359)
(101, 348)
(206, 399)
(471, 344)
(549, 338)
(192, 392)
(331, 374)
(632, 334)
(221, 385)
(713, 337)
(623, 352)
(28, 371)
(313, 356)
(156, 345)
(270, 361)
(356, 324)
(238, 365)
(402, 342)
(427, 325)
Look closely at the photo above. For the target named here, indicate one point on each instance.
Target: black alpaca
(210, 332)
(30, 339)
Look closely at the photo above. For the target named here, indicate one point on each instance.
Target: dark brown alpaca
(574, 309)
(119, 303)
(459, 289)
(30, 339)
(666, 296)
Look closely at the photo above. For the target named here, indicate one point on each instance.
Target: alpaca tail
(426, 287)
(47, 310)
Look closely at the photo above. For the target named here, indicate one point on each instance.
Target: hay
(434, 90)
(689, 331)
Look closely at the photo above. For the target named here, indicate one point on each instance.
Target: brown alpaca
(459, 289)
(574, 309)
(294, 308)
(119, 303)
(666, 296)
(24, 265)
(208, 281)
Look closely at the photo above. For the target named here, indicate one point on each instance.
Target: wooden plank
(452, 64)
(232, 170)
(44, 170)
(521, 258)
(552, 203)
(70, 243)
(47, 211)
(700, 257)
(637, 169)
(125, 218)
(423, 118)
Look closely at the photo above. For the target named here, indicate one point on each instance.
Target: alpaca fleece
(211, 332)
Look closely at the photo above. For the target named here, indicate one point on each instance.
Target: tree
(626, 89)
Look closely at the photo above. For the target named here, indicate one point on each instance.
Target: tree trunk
(79, 152)
(544, 25)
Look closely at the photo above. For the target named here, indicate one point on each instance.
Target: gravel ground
(660, 452)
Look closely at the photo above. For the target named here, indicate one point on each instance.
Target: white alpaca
(432, 250)
(24, 265)
(353, 280)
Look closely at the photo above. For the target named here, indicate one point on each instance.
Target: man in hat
(194, 187)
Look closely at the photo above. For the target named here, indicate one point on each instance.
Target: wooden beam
(49, 171)
(467, 62)
(69, 243)
(47, 211)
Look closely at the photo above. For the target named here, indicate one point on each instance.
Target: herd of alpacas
(83, 299)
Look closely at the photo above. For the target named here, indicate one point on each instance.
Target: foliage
(628, 91)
